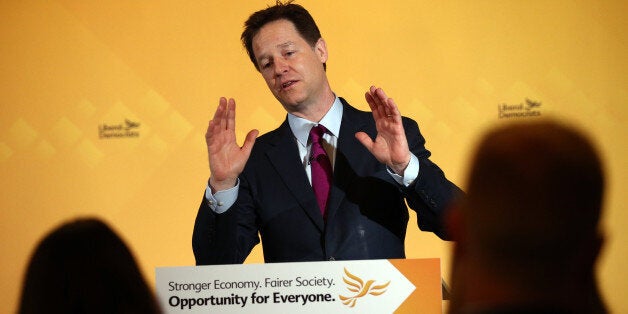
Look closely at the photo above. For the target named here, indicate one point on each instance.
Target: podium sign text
(369, 286)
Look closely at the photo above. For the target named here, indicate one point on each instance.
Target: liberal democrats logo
(529, 108)
(126, 129)
(360, 288)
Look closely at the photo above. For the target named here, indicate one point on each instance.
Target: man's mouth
(287, 84)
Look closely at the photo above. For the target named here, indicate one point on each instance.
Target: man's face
(292, 69)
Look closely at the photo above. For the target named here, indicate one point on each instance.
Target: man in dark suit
(266, 186)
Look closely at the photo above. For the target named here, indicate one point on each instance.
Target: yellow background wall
(68, 67)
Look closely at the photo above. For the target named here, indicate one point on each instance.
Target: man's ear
(454, 223)
(597, 244)
(320, 48)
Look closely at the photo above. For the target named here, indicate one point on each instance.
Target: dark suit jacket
(367, 213)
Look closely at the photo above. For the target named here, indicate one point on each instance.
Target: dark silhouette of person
(83, 266)
(527, 233)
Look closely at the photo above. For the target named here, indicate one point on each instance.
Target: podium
(365, 286)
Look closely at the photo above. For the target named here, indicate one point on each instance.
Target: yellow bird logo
(357, 285)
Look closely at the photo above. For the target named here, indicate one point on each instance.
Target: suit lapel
(283, 157)
(349, 148)
(290, 169)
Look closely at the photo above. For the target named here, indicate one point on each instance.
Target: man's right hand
(226, 158)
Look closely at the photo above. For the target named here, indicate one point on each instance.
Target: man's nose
(281, 67)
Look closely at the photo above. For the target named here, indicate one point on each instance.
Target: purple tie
(321, 168)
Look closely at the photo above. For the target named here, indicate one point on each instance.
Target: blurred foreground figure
(84, 267)
(527, 234)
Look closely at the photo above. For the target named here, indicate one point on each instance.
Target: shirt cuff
(222, 200)
(410, 174)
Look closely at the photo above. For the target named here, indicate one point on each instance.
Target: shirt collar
(331, 120)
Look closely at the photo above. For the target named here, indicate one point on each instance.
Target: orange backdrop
(105, 104)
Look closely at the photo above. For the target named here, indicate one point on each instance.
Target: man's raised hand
(390, 146)
(226, 158)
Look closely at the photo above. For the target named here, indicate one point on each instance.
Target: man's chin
(290, 102)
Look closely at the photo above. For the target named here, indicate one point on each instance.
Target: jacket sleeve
(225, 238)
(431, 194)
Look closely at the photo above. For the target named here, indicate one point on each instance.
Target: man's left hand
(390, 146)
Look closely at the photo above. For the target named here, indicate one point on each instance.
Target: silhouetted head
(84, 267)
(534, 194)
(527, 232)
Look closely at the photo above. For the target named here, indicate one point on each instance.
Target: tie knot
(316, 133)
